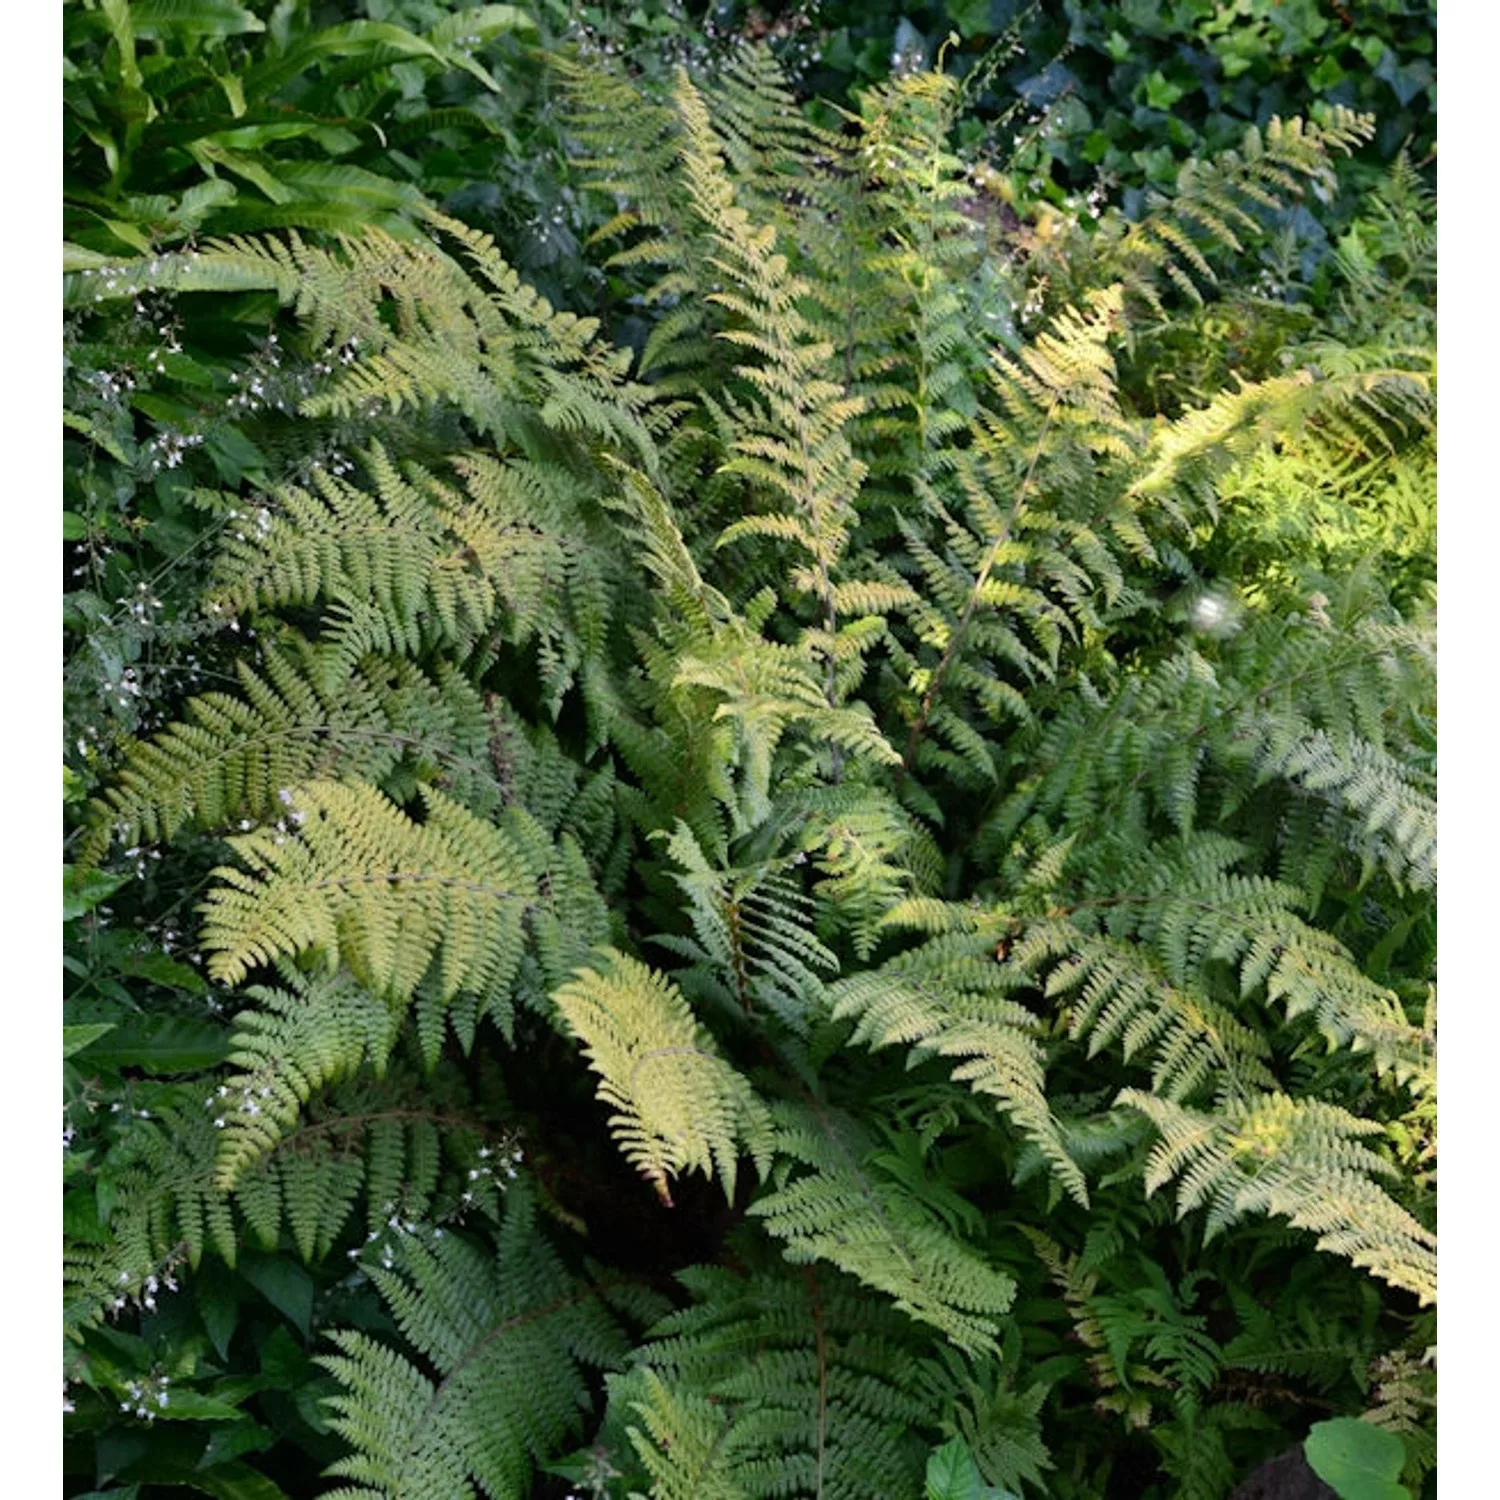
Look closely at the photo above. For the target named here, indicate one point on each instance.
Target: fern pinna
(830, 755)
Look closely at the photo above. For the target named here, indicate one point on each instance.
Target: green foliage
(679, 1106)
(869, 740)
(1356, 1460)
(215, 118)
(506, 1330)
(1121, 95)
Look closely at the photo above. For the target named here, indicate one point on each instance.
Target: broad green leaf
(105, 441)
(233, 454)
(234, 92)
(971, 17)
(121, 25)
(1357, 1460)
(378, 41)
(210, 154)
(79, 258)
(227, 1443)
(330, 181)
(161, 969)
(952, 1474)
(484, 22)
(202, 197)
(129, 235)
(236, 1481)
(284, 1284)
(218, 1304)
(194, 1406)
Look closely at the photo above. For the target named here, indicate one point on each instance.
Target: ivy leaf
(1161, 92)
(1357, 1460)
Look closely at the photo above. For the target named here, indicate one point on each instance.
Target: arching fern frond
(752, 933)
(359, 882)
(801, 1384)
(299, 1039)
(465, 331)
(230, 757)
(950, 998)
(679, 1106)
(1218, 202)
(1301, 1160)
(1194, 1043)
(1148, 976)
(506, 1334)
(791, 443)
(849, 1212)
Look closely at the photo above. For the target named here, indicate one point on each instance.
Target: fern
(508, 1335)
(1016, 782)
(1301, 1160)
(358, 881)
(949, 998)
(298, 1040)
(876, 1229)
(231, 757)
(779, 1384)
(679, 1107)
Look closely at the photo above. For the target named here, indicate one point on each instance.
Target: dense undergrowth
(749, 806)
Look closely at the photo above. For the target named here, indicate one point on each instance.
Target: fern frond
(679, 1107)
(753, 930)
(792, 444)
(229, 758)
(802, 1384)
(866, 1223)
(358, 882)
(1301, 1160)
(506, 1335)
(950, 998)
(298, 1040)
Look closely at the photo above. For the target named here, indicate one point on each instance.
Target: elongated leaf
(76, 1038)
(161, 1045)
(155, 19)
(83, 891)
(482, 23)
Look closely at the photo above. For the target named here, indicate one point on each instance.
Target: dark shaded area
(1285, 1477)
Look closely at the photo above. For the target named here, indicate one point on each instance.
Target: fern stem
(737, 948)
(820, 1345)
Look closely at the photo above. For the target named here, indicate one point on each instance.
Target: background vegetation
(944, 645)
